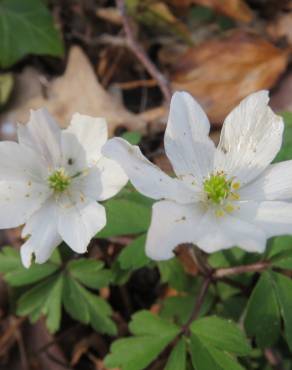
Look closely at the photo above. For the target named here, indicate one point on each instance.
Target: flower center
(217, 187)
(221, 192)
(59, 180)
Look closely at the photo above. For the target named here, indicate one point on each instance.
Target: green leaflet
(26, 27)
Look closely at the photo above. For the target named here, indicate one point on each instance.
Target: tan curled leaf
(221, 72)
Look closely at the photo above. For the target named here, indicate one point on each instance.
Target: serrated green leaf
(282, 260)
(146, 323)
(283, 288)
(90, 272)
(279, 244)
(26, 27)
(262, 318)
(125, 217)
(178, 357)
(87, 307)
(135, 353)
(74, 302)
(133, 255)
(17, 275)
(206, 357)
(221, 334)
(44, 298)
(100, 312)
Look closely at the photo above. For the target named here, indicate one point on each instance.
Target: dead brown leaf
(281, 27)
(77, 91)
(236, 9)
(221, 72)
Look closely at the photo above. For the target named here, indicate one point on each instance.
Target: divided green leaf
(152, 335)
(221, 334)
(133, 255)
(90, 272)
(17, 275)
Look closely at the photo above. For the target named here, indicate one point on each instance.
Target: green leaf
(282, 260)
(172, 272)
(99, 312)
(206, 357)
(133, 137)
(44, 298)
(146, 323)
(136, 353)
(285, 152)
(90, 272)
(263, 316)
(279, 244)
(178, 357)
(283, 287)
(87, 307)
(126, 215)
(26, 27)
(17, 275)
(73, 300)
(133, 255)
(6, 86)
(221, 334)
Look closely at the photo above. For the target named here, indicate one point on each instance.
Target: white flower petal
(73, 154)
(43, 135)
(251, 137)
(145, 176)
(91, 133)
(275, 218)
(275, 183)
(171, 224)
(19, 163)
(79, 220)
(112, 178)
(44, 238)
(216, 233)
(186, 140)
(19, 200)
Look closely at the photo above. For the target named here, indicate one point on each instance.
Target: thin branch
(198, 305)
(236, 270)
(140, 53)
(274, 359)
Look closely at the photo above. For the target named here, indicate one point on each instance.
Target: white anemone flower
(222, 197)
(51, 179)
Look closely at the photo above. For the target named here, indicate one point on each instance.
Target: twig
(274, 359)
(140, 53)
(198, 305)
(236, 270)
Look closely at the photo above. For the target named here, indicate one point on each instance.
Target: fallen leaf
(236, 9)
(78, 90)
(281, 27)
(219, 73)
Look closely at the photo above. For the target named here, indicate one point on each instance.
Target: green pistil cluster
(59, 180)
(217, 187)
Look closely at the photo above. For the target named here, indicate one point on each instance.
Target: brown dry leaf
(236, 9)
(77, 91)
(219, 73)
(281, 27)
